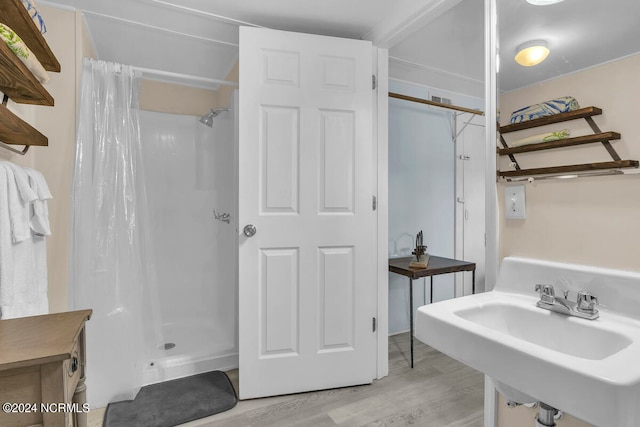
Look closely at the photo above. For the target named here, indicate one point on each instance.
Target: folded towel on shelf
(17, 46)
(541, 137)
(543, 109)
(35, 14)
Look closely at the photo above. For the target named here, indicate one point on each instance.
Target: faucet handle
(587, 302)
(547, 294)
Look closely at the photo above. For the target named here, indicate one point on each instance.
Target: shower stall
(153, 242)
(189, 176)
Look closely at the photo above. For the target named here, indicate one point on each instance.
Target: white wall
(590, 221)
(421, 191)
(431, 77)
(585, 220)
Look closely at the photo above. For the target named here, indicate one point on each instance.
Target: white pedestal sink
(588, 368)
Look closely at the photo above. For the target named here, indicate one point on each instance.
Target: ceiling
(580, 34)
(200, 37)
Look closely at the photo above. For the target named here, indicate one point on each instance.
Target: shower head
(207, 119)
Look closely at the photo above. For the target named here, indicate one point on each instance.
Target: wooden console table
(42, 370)
(437, 265)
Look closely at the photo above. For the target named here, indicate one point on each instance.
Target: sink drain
(169, 345)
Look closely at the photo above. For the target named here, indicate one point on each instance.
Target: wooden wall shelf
(597, 136)
(17, 131)
(566, 142)
(619, 164)
(17, 82)
(14, 15)
(549, 120)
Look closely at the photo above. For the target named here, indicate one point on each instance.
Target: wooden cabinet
(42, 361)
(17, 82)
(598, 136)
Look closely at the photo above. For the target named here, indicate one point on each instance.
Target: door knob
(249, 230)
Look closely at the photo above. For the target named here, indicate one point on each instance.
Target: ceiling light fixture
(531, 53)
(543, 2)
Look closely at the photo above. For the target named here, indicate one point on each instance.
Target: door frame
(491, 185)
(381, 168)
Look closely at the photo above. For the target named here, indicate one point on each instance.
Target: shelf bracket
(607, 145)
(513, 159)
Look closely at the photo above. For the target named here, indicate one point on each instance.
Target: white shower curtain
(111, 270)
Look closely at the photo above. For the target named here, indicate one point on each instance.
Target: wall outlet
(514, 202)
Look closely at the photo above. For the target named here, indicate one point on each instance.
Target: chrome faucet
(585, 307)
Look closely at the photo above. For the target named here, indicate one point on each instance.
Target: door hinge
(373, 82)
(373, 325)
(374, 203)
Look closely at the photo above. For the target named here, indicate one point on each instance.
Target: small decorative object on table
(422, 257)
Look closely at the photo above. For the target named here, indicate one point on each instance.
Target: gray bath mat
(174, 402)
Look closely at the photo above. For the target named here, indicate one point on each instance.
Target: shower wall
(189, 177)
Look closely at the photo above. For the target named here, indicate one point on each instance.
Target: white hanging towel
(15, 199)
(6, 242)
(40, 212)
(21, 195)
(23, 289)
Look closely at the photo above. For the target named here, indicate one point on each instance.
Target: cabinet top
(42, 339)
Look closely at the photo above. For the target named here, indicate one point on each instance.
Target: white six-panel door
(306, 179)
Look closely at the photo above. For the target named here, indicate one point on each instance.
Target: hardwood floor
(437, 392)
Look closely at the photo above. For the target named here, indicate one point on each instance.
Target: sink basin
(588, 368)
(547, 329)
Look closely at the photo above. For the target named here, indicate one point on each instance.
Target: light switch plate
(514, 202)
